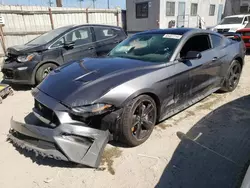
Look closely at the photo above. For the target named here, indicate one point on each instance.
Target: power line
(50, 3)
(93, 3)
(81, 3)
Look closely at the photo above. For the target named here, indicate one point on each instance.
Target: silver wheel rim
(47, 71)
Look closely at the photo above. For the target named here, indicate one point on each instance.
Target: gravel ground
(142, 166)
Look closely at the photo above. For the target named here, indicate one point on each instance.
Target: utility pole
(59, 3)
(81, 3)
(50, 3)
(93, 3)
(108, 5)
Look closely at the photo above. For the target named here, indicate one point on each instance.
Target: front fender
(146, 91)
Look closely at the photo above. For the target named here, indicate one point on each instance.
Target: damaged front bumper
(68, 142)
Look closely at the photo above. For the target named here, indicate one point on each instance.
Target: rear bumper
(68, 142)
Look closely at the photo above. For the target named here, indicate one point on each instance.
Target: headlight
(25, 58)
(91, 110)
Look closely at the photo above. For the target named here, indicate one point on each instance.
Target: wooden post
(117, 18)
(87, 15)
(59, 3)
(51, 19)
(2, 39)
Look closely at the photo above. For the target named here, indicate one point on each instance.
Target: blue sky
(68, 3)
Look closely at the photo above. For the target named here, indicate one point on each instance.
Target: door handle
(91, 48)
(215, 59)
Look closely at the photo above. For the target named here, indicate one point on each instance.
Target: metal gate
(183, 21)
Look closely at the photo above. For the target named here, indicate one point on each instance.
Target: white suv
(232, 23)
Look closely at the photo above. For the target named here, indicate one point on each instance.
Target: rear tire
(138, 120)
(232, 77)
(43, 71)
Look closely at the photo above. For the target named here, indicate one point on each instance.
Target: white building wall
(157, 14)
(191, 21)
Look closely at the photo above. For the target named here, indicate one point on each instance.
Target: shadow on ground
(18, 87)
(215, 152)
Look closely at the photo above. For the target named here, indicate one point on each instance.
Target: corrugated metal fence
(23, 23)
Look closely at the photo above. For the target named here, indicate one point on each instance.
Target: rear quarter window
(216, 40)
(103, 33)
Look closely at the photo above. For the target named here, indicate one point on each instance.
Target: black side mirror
(69, 45)
(191, 55)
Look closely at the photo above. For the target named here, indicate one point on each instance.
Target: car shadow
(18, 87)
(248, 52)
(215, 152)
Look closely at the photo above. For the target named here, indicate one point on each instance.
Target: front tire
(233, 77)
(43, 71)
(138, 120)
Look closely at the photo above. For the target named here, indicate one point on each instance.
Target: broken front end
(56, 131)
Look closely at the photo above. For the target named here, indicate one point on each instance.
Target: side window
(103, 33)
(216, 40)
(59, 43)
(197, 43)
(79, 36)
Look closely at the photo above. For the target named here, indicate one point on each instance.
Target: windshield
(49, 36)
(232, 20)
(147, 47)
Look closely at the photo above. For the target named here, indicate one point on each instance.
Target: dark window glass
(216, 40)
(194, 9)
(79, 36)
(142, 10)
(211, 10)
(102, 33)
(197, 43)
(232, 20)
(170, 8)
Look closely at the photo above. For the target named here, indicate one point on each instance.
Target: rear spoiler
(233, 36)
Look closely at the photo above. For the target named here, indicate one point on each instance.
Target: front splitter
(68, 142)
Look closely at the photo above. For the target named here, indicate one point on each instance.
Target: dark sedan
(32, 62)
(146, 79)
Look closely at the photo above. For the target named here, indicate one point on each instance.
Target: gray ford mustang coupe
(144, 80)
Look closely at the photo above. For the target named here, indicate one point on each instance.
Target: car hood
(82, 82)
(229, 26)
(24, 49)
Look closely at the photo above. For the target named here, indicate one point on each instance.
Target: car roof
(93, 25)
(175, 31)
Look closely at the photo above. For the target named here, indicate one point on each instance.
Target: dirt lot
(155, 160)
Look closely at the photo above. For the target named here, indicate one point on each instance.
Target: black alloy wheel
(233, 77)
(138, 120)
